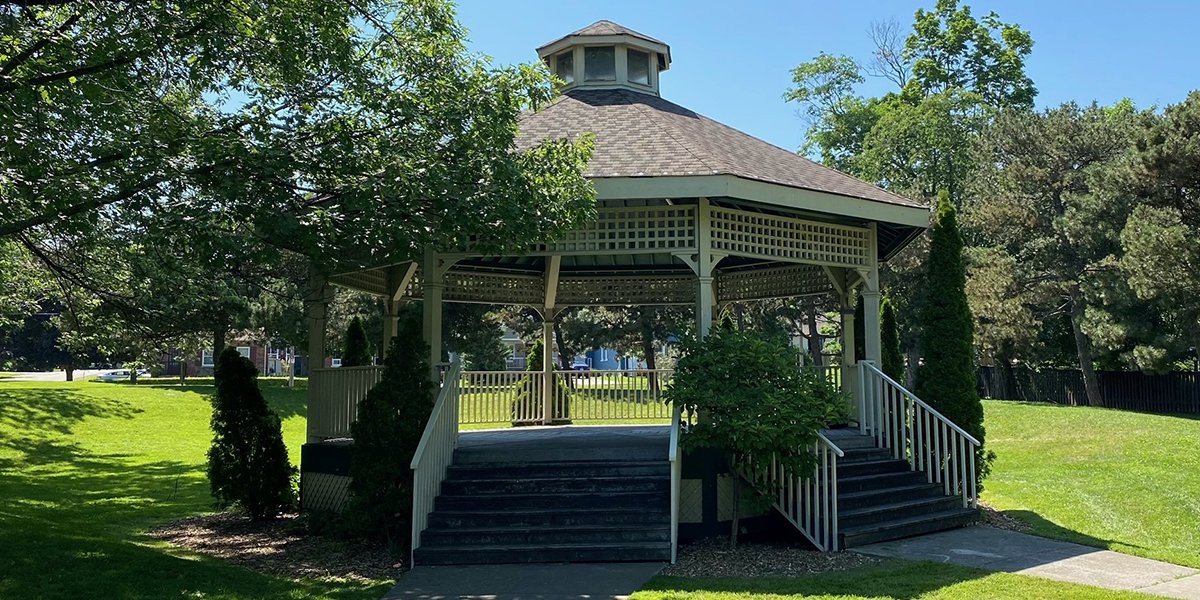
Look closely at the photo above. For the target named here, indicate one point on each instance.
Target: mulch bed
(716, 558)
(999, 520)
(281, 548)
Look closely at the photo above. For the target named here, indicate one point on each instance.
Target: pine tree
(248, 462)
(893, 356)
(358, 351)
(947, 379)
(391, 419)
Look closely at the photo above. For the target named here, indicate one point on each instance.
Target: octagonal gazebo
(689, 212)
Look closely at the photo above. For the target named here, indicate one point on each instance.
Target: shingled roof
(605, 27)
(641, 135)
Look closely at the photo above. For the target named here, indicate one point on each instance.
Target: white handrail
(676, 474)
(809, 502)
(435, 452)
(917, 433)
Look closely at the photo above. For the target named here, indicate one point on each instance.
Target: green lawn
(1108, 478)
(898, 579)
(86, 467)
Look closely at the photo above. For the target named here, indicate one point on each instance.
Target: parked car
(121, 375)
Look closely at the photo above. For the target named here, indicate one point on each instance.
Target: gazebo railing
(334, 395)
(518, 397)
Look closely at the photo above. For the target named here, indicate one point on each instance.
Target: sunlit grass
(1109, 478)
(86, 468)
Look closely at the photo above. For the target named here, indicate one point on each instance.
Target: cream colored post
(705, 299)
(432, 284)
(548, 386)
(317, 298)
(873, 345)
(848, 350)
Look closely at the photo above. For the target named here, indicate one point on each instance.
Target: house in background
(600, 359)
(270, 360)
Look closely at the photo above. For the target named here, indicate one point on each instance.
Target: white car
(121, 375)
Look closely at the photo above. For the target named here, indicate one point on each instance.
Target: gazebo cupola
(605, 55)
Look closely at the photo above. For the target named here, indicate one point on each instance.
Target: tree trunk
(182, 370)
(651, 360)
(563, 360)
(1083, 345)
(815, 347)
(219, 335)
(914, 363)
(69, 369)
(737, 507)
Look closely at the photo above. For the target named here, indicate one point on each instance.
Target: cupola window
(564, 66)
(600, 63)
(639, 66)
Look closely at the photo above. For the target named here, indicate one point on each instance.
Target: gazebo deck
(564, 443)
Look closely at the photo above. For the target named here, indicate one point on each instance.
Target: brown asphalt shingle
(641, 135)
(605, 27)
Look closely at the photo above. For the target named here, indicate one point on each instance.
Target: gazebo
(689, 212)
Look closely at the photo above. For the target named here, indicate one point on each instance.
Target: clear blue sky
(731, 58)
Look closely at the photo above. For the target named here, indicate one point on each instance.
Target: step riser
(880, 482)
(549, 520)
(461, 539)
(887, 496)
(553, 472)
(552, 486)
(872, 468)
(853, 456)
(631, 501)
(609, 455)
(461, 556)
(851, 541)
(941, 505)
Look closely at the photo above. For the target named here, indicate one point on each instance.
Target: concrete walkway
(1011, 552)
(525, 582)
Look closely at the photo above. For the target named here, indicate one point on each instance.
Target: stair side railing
(435, 452)
(673, 456)
(917, 433)
(808, 501)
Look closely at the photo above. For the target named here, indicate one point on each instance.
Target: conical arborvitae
(947, 379)
(893, 356)
(248, 462)
(358, 350)
(391, 419)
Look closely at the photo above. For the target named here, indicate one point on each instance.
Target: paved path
(525, 582)
(53, 375)
(999, 550)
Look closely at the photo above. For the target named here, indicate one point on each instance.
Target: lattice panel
(630, 230)
(608, 291)
(323, 492)
(372, 282)
(784, 238)
(487, 288)
(774, 282)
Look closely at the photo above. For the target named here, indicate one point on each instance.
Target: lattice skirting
(323, 492)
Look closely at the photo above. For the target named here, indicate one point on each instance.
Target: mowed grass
(1109, 478)
(86, 468)
(899, 580)
(588, 401)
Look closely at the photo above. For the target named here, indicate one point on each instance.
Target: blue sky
(731, 58)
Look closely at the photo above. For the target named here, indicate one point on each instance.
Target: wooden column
(549, 315)
(872, 340)
(705, 298)
(399, 278)
(316, 304)
(432, 284)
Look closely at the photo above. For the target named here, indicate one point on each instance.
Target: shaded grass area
(86, 468)
(899, 580)
(1115, 479)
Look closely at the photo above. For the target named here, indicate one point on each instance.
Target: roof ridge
(675, 138)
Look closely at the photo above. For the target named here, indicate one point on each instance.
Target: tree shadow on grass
(286, 402)
(74, 523)
(1044, 527)
(898, 579)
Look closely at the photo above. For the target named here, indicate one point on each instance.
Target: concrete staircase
(551, 505)
(880, 499)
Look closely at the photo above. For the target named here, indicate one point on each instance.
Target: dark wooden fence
(1167, 393)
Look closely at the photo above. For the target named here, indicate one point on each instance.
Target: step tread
(905, 522)
(598, 479)
(893, 506)
(875, 476)
(888, 490)
(554, 494)
(543, 547)
(551, 528)
(561, 464)
(576, 510)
